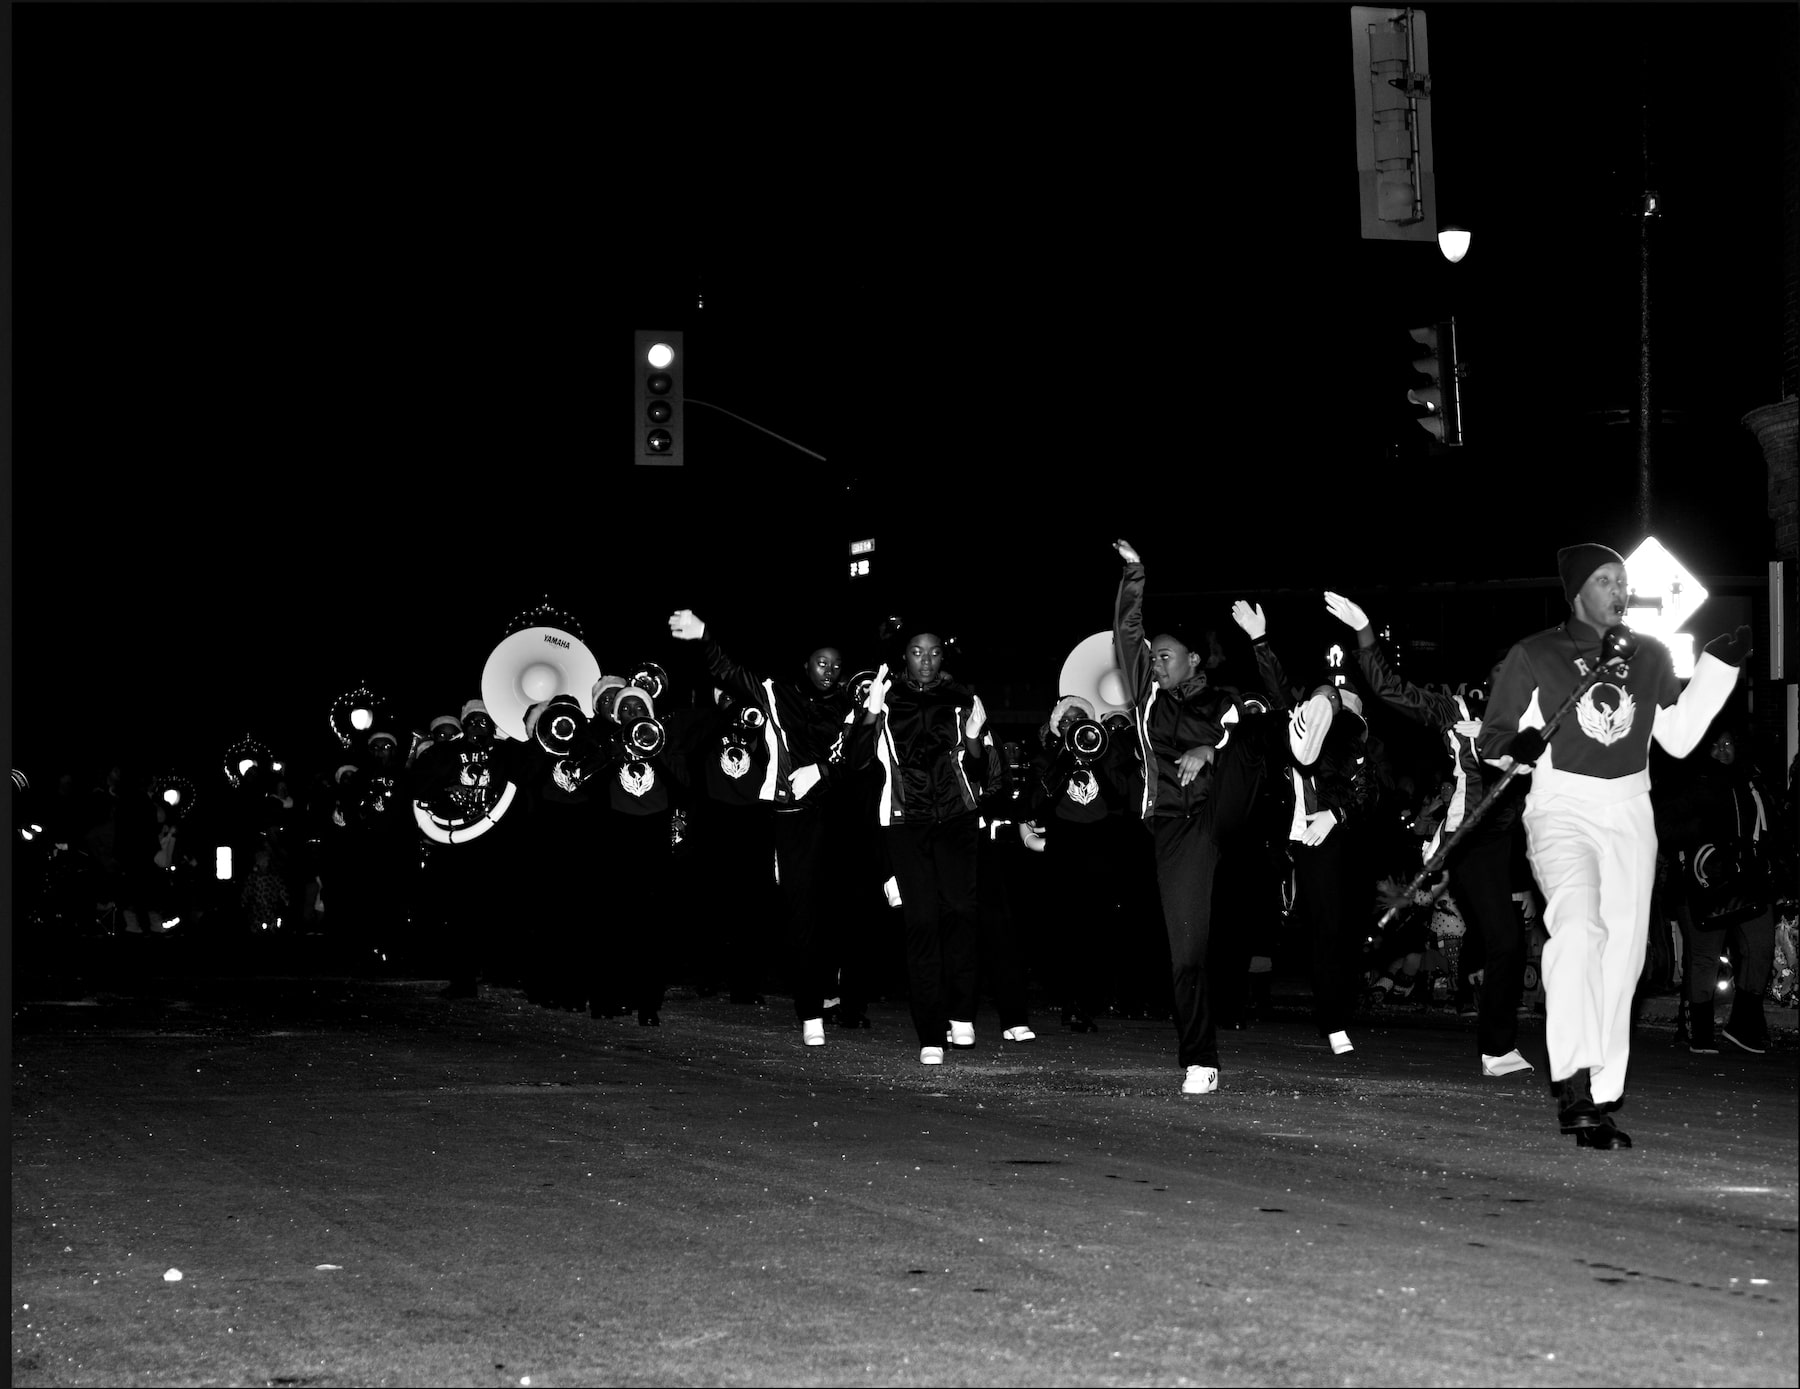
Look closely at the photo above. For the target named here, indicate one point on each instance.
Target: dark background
(325, 320)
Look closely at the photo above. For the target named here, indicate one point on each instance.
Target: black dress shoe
(649, 1020)
(1575, 1107)
(1605, 1135)
(1081, 1023)
(851, 1020)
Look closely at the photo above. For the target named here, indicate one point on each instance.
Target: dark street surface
(361, 1182)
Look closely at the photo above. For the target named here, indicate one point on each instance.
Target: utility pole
(1648, 211)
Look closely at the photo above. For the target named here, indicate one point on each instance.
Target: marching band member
(1199, 786)
(1329, 794)
(1080, 810)
(1589, 831)
(806, 726)
(1480, 867)
(644, 784)
(924, 731)
(732, 831)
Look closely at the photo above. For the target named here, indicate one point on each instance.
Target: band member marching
(1199, 785)
(806, 729)
(1481, 866)
(924, 730)
(1590, 835)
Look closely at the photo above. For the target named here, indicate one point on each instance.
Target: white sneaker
(1504, 1065)
(1201, 1080)
(1340, 1043)
(961, 1034)
(1019, 1034)
(812, 1032)
(931, 1056)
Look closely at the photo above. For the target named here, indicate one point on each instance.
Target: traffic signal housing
(661, 364)
(1434, 359)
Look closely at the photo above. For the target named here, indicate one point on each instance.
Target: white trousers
(1595, 861)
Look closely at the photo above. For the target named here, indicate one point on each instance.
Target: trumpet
(1086, 741)
(641, 735)
(651, 678)
(559, 725)
(746, 726)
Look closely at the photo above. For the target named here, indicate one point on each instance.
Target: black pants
(629, 964)
(730, 900)
(1332, 897)
(1187, 863)
(1481, 881)
(556, 914)
(1086, 865)
(935, 865)
(1003, 971)
(814, 872)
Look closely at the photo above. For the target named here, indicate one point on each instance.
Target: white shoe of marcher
(1019, 1034)
(931, 1056)
(1504, 1065)
(961, 1034)
(1340, 1043)
(812, 1032)
(1201, 1080)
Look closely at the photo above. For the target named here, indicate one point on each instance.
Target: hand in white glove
(1318, 825)
(876, 700)
(1467, 728)
(1307, 727)
(976, 721)
(1250, 619)
(1126, 553)
(1032, 835)
(804, 779)
(684, 626)
(1346, 612)
(1193, 762)
(891, 888)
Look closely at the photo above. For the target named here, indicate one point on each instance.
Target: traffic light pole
(754, 425)
(1647, 212)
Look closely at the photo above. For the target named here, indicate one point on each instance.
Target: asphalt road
(363, 1183)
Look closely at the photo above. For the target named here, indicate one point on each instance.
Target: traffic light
(661, 364)
(1435, 359)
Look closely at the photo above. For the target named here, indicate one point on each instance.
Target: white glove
(1318, 825)
(977, 720)
(1032, 836)
(1467, 728)
(1307, 727)
(892, 888)
(1126, 553)
(876, 701)
(1250, 619)
(684, 626)
(804, 779)
(1346, 612)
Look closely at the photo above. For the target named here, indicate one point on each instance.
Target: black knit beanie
(1577, 564)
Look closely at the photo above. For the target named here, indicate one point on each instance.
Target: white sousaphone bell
(532, 666)
(1092, 673)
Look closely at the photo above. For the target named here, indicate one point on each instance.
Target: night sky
(324, 320)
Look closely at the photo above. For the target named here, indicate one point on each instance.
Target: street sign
(1663, 597)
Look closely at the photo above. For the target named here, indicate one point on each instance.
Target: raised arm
(1128, 624)
(1433, 708)
(1268, 664)
(738, 681)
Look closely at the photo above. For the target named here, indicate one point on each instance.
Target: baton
(1619, 644)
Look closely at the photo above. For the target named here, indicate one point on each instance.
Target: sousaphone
(542, 657)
